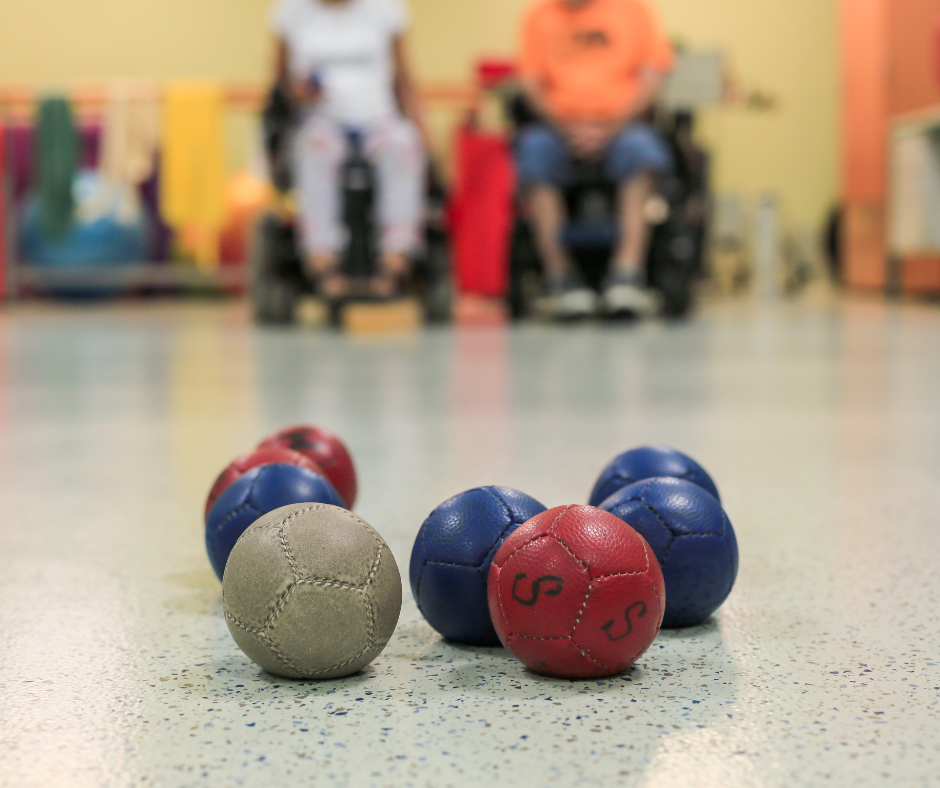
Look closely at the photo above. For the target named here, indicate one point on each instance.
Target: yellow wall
(47, 41)
(784, 47)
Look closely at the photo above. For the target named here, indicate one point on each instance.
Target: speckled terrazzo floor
(820, 421)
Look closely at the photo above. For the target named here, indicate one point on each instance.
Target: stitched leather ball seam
(233, 514)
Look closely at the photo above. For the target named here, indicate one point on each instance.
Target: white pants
(394, 147)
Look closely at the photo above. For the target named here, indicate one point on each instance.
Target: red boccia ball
(577, 593)
(241, 465)
(326, 450)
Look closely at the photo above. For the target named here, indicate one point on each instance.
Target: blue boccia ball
(692, 538)
(261, 490)
(649, 462)
(452, 556)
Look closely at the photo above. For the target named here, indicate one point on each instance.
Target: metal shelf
(34, 279)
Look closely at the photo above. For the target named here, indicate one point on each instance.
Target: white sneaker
(570, 301)
(625, 300)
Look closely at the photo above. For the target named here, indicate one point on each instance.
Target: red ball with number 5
(576, 592)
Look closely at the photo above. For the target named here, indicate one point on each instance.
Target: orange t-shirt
(589, 59)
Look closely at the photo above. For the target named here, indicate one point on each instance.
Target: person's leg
(547, 208)
(320, 149)
(634, 159)
(544, 165)
(543, 161)
(395, 147)
(634, 228)
(636, 156)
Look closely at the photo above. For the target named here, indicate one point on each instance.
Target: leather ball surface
(692, 538)
(246, 462)
(649, 462)
(452, 555)
(311, 591)
(254, 494)
(575, 592)
(326, 450)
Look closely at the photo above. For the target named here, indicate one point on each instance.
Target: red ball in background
(326, 450)
(241, 465)
(576, 592)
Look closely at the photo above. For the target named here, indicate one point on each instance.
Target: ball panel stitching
(351, 660)
(283, 538)
(325, 582)
(267, 641)
(452, 563)
(281, 656)
(242, 625)
(623, 574)
(417, 592)
(380, 544)
(361, 590)
(521, 547)
(232, 515)
(279, 605)
(498, 542)
(374, 569)
(570, 552)
(502, 607)
(586, 653)
(577, 618)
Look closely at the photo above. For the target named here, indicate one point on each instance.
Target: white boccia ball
(311, 591)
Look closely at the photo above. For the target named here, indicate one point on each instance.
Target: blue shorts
(542, 155)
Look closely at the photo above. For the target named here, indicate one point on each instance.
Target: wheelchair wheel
(275, 281)
(672, 266)
(274, 303)
(525, 279)
(437, 287)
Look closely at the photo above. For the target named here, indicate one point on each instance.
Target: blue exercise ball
(452, 556)
(261, 490)
(692, 538)
(100, 234)
(649, 462)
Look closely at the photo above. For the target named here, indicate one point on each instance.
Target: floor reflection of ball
(311, 592)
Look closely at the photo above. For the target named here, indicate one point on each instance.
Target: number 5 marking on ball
(608, 627)
(536, 588)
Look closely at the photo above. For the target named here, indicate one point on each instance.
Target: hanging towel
(192, 189)
(56, 165)
(128, 148)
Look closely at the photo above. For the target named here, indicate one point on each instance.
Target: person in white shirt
(344, 63)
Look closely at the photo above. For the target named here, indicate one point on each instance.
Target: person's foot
(388, 283)
(570, 299)
(323, 268)
(384, 287)
(623, 297)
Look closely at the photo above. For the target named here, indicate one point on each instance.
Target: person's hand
(588, 138)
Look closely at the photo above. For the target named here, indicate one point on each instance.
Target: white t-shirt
(348, 47)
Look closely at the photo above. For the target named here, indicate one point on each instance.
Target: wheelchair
(675, 258)
(277, 278)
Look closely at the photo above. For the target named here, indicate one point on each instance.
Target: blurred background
(819, 120)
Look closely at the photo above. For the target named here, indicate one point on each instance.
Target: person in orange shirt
(591, 69)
